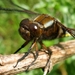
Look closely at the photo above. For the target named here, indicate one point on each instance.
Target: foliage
(10, 39)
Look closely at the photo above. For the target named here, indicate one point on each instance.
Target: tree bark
(60, 52)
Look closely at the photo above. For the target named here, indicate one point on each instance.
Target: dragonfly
(42, 27)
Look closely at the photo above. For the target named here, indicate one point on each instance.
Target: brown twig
(60, 52)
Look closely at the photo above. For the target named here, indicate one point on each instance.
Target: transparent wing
(21, 9)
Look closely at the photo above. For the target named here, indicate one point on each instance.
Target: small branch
(60, 52)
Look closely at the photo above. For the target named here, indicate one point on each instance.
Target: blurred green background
(10, 40)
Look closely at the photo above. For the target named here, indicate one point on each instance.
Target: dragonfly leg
(49, 52)
(26, 54)
(23, 45)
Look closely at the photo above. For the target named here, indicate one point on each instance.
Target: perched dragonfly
(43, 27)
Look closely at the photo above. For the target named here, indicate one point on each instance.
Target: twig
(60, 52)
